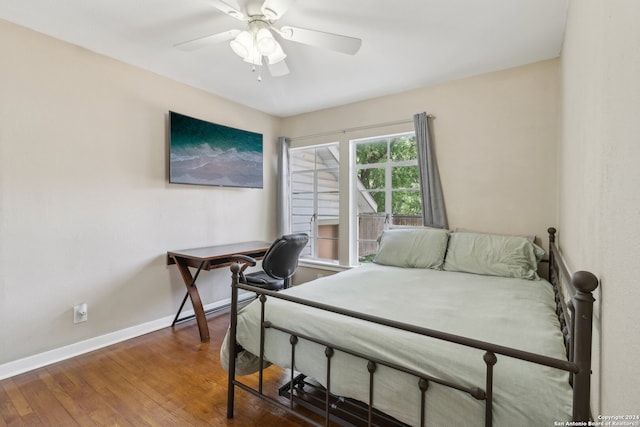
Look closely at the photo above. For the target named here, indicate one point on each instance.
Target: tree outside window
(388, 181)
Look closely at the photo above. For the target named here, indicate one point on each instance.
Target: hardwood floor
(165, 378)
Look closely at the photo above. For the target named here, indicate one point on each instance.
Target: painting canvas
(206, 153)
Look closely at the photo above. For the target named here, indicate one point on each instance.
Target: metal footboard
(577, 324)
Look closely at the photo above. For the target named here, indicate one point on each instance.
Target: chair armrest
(244, 259)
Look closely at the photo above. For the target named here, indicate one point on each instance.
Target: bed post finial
(552, 234)
(585, 283)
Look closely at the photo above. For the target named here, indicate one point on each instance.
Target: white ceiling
(406, 44)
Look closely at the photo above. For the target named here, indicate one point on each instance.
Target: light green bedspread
(511, 312)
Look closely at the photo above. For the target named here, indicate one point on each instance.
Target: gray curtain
(282, 191)
(433, 210)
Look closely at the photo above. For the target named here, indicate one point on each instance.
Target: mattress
(516, 313)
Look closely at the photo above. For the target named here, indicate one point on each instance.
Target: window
(315, 190)
(388, 187)
(381, 188)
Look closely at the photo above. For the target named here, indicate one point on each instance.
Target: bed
(442, 329)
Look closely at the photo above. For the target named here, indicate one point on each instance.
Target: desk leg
(177, 318)
(196, 302)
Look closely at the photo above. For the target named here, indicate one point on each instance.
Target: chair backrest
(281, 260)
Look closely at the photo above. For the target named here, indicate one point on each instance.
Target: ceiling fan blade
(339, 43)
(274, 9)
(205, 41)
(278, 69)
(230, 7)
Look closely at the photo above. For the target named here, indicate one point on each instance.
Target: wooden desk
(208, 258)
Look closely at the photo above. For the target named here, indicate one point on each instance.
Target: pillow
(412, 248)
(494, 255)
(465, 230)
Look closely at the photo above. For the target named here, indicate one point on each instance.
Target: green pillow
(494, 255)
(412, 248)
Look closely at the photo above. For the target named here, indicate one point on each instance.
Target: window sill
(323, 265)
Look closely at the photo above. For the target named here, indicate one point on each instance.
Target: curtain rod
(353, 129)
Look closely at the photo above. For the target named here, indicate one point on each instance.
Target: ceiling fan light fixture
(265, 43)
(242, 44)
(253, 57)
(276, 56)
(257, 45)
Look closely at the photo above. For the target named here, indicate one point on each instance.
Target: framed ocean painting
(205, 153)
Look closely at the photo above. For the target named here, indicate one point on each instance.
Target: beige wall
(600, 181)
(86, 212)
(495, 140)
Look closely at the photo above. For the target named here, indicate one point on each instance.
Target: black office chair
(279, 263)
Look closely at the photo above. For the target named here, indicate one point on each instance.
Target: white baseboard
(30, 363)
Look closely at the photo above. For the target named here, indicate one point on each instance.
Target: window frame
(388, 188)
(348, 220)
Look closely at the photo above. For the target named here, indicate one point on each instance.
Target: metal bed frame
(574, 302)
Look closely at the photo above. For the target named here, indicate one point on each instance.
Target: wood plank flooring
(165, 378)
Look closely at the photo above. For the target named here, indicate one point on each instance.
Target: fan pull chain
(253, 69)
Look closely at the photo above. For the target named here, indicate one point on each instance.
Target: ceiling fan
(257, 45)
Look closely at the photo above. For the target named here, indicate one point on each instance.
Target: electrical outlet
(80, 313)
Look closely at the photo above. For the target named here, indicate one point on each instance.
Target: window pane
(371, 201)
(405, 177)
(380, 198)
(302, 182)
(371, 152)
(301, 226)
(302, 204)
(302, 160)
(404, 148)
(327, 157)
(328, 205)
(389, 171)
(406, 202)
(370, 226)
(328, 240)
(372, 178)
(407, 220)
(328, 181)
(315, 199)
